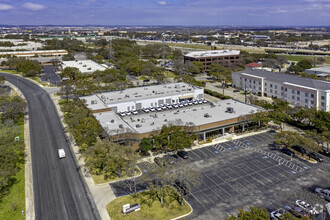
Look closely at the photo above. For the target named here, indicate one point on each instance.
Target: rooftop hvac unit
(112, 121)
(84, 65)
(93, 102)
(206, 115)
(230, 109)
(121, 126)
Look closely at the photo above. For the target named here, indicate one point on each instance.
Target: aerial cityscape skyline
(169, 12)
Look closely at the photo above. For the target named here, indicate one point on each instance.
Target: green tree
(305, 64)
(220, 72)
(146, 145)
(72, 73)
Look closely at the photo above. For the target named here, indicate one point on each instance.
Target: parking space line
(199, 150)
(195, 154)
(209, 150)
(196, 199)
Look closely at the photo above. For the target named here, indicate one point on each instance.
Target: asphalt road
(50, 75)
(59, 189)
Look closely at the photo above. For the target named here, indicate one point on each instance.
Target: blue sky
(166, 12)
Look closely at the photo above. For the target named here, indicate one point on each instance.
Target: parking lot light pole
(223, 87)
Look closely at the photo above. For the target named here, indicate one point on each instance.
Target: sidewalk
(227, 137)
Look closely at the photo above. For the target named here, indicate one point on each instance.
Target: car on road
(324, 193)
(181, 187)
(277, 213)
(288, 152)
(315, 156)
(306, 207)
(236, 90)
(61, 153)
(299, 149)
(183, 154)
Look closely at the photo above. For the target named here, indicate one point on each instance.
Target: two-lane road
(59, 189)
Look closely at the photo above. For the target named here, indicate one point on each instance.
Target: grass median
(150, 206)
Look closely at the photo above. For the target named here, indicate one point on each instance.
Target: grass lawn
(150, 206)
(9, 71)
(298, 58)
(100, 179)
(17, 192)
(169, 74)
(15, 196)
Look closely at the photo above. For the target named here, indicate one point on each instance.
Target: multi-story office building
(296, 90)
(223, 57)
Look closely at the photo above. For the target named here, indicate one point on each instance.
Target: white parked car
(61, 153)
(277, 213)
(122, 114)
(324, 193)
(146, 110)
(134, 112)
(306, 207)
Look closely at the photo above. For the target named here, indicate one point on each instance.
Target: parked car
(277, 213)
(134, 112)
(306, 207)
(183, 154)
(296, 211)
(122, 114)
(300, 149)
(326, 151)
(146, 110)
(172, 158)
(160, 161)
(288, 152)
(324, 193)
(181, 187)
(315, 156)
(128, 113)
(152, 109)
(158, 109)
(236, 90)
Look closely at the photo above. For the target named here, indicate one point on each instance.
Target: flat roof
(190, 115)
(212, 53)
(34, 51)
(84, 66)
(138, 93)
(323, 69)
(288, 78)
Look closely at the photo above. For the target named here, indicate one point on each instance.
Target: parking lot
(246, 172)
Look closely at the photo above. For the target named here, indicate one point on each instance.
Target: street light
(223, 87)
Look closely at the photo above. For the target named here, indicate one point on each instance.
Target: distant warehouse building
(54, 53)
(321, 72)
(296, 90)
(223, 57)
(132, 114)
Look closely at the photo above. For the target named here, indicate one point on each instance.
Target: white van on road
(61, 153)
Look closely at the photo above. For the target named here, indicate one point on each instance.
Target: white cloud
(161, 2)
(5, 7)
(33, 6)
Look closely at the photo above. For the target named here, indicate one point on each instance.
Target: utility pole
(223, 87)
(245, 91)
(111, 52)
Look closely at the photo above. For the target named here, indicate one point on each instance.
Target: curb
(29, 194)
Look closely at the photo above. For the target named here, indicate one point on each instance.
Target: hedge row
(216, 94)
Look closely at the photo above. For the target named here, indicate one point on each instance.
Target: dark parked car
(160, 161)
(300, 149)
(288, 152)
(181, 187)
(236, 90)
(183, 154)
(172, 158)
(315, 156)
